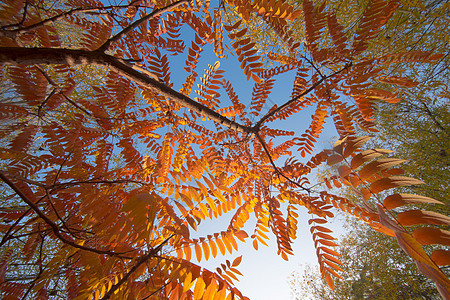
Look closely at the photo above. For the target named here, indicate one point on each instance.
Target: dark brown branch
(29, 181)
(67, 56)
(140, 261)
(136, 23)
(433, 117)
(49, 222)
(57, 214)
(45, 102)
(7, 236)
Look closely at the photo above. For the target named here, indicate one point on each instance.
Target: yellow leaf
(210, 290)
(188, 282)
(102, 291)
(199, 288)
(203, 188)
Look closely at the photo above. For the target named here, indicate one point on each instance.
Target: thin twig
(19, 31)
(58, 216)
(277, 170)
(53, 226)
(288, 103)
(140, 261)
(136, 23)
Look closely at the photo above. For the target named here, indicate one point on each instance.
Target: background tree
(374, 267)
(418, 131)
(107, 177)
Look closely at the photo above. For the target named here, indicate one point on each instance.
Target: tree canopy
(109, 166)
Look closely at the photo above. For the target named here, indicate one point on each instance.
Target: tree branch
(433, 117)
(68, 56)
(141, 261)
(136, 23)
(290, 102)
(19, 31)
(49, 222)
(277, 170)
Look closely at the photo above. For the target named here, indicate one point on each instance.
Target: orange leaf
(354, 143)
(320, 228)
(441, 257)
(221, 246)
(187, 252)
(386, 221)
(367, 155)
(213, 247)
(329, 280)
(376, 166)
(392, 182)
(205, 250)
(241, 235)
(319, 221)
(198, 251)
(334, 159)
(332, 258)
(327, 250)
(396, 200)
(429, 236)
(423, 261)
(415, 217)
(326, 242)
(410, 245)
(344, 171)
(237, 261)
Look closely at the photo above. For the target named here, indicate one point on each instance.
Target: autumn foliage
(108, 169)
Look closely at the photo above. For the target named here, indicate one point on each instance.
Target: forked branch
(277, 170)
(293, 100)
(53, 226)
